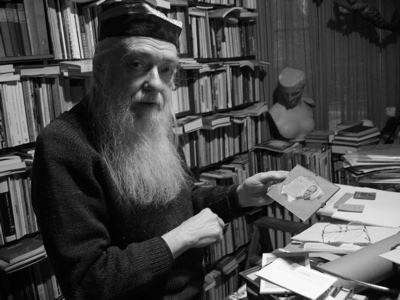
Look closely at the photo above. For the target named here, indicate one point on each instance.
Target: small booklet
(303, 192)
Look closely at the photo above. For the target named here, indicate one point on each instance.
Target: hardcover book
(277, 145)
(190, 123)
(358, 130)
(303, 192)
(21, 250)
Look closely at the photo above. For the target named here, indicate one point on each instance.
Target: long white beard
(140, 152)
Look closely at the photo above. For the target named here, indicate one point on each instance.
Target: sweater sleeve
(71, 205)
(222, 200)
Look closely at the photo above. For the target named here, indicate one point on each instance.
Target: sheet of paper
(299, 279)
(321, 247)
(267, 287)
(392, 255)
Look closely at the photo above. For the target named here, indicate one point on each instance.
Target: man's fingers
(273, 177)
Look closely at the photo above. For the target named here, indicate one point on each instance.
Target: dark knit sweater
(99, 248)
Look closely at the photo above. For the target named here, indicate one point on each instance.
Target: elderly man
(119, 214)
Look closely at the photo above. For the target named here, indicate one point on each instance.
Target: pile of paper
(383, 159)
(284, 275)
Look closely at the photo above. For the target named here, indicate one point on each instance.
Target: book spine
(27, 96)
(45, 100)
(78, 28)
(12, 29)
(32, 26)
(21, 204)
(40, 16)
(22, 113)
(2, 47)
(15, 112)
(46, 276)
(84, 33)
(54, 29)
(39, 282)
(60, 28)
(4, 117)
(24, 28)
(71, 30)
(2, 241)
(6, 212)
(11, 118)
(61, 13)
(15, 207)
(20, 40)
(5, 31)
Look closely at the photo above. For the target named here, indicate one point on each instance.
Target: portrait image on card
(302, 187)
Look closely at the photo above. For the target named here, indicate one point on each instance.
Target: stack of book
(319, 138)
(188, 124)
(351, 139)
(212, 122)
(21, 253)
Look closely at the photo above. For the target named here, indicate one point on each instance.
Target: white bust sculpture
(292, 113)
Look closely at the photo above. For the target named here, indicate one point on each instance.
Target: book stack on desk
(353, 138)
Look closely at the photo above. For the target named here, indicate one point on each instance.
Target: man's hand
(253, 191)
(199, 231)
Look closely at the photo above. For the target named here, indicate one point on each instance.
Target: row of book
(37, 280)
(250, 4)
(73, 26)
(222, 33)
(209, 87)
(23, 29)
(237, 234)
(223, 259)
(205, 143)
(233, 172)
(17, 218)
(217, 145)
(73, 29)
(224, 278)
(29, 103)
(282, 155)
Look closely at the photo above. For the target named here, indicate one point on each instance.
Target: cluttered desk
(354, 248)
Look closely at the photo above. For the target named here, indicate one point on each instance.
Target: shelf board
(19, 59)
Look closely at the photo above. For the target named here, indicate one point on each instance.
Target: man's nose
(153, 80)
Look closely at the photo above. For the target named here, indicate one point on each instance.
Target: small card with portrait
(303, 192)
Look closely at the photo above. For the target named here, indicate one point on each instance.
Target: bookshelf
(45, 60)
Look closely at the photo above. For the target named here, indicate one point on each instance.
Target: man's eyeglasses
(346, 233)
